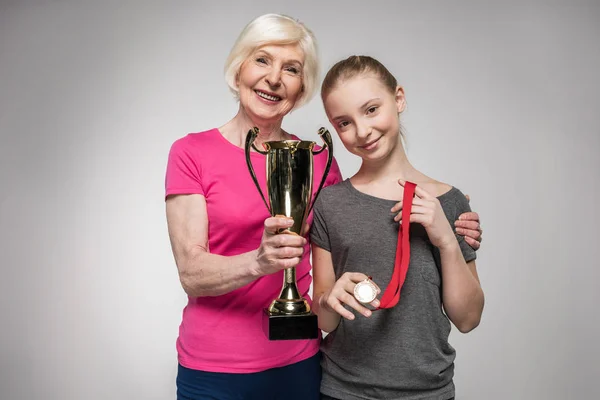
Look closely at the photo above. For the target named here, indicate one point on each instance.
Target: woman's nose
(274, 78)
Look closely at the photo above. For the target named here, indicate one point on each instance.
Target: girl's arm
(323, 281)
(331, 295)
(462, 295)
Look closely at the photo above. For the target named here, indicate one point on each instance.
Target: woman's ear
(400, 99)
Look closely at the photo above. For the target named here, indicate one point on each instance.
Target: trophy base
(290, 327)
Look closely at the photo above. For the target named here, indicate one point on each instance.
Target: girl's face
(364, 113)
(270, 82)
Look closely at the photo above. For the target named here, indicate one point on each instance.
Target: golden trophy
(289, 187)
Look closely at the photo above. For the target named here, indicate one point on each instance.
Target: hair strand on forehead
(354, 66)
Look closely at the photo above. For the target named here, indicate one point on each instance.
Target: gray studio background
(502, 103)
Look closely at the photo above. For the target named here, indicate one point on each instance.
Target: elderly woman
(229, 257)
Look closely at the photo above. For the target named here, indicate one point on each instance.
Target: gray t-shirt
(398, 353)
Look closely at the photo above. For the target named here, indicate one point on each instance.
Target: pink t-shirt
(224, 333)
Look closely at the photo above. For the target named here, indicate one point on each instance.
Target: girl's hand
(342, 293)
(468, 225)
(427, 211)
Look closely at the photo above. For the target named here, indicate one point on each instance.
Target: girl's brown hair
(354, 66)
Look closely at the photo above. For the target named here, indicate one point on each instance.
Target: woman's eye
(293, 70)
(261, 60)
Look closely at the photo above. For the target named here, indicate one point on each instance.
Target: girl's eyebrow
(368, 101)
(365, 104)
(338, 117)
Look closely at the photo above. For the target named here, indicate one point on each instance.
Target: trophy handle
(326, 137)
(250, 143)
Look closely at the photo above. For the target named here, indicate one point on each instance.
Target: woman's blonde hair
(275, 29)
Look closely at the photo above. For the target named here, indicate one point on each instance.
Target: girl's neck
(396, 165)
(237, 129)
(380, 177)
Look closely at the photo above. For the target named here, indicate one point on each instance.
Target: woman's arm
(204, 274)
(469, 226)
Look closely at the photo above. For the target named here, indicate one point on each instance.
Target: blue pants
(299, 381)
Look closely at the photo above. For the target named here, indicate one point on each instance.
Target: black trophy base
(290, 327)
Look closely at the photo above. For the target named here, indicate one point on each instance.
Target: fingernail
(375, 303)
(367, 313)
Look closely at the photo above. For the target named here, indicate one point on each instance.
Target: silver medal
(365, 291)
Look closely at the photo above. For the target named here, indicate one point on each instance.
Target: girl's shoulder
(434, 187)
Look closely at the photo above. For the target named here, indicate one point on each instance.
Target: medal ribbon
(392, 292)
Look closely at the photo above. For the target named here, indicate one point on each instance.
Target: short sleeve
(334, 176)
(462, 206)
(318, 230)
(184, 175)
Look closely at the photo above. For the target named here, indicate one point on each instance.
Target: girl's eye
(343, 124)
(371, 110)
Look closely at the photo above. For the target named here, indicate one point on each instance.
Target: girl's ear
(400, 99)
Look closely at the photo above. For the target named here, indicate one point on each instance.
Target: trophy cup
(289, 187)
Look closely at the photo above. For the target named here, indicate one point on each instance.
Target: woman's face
(270, 82)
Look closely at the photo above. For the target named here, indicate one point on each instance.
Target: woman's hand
(278, 251)
(342, 293)
(427, 211)
(468, 225)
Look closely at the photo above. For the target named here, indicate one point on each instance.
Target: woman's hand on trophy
(278, 251)
(342, 293)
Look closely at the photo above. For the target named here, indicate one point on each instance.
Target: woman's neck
(237, 129)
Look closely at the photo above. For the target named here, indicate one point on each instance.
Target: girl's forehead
(356, 89)
(361, 83)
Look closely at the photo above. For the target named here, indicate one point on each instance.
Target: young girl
(398, 351)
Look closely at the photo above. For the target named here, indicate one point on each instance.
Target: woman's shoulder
(197, 137)
(195, 143)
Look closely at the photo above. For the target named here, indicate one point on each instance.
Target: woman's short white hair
(275, 29)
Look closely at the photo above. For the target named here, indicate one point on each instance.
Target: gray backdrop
(501, 98)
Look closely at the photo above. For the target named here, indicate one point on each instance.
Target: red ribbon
(392, 292)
